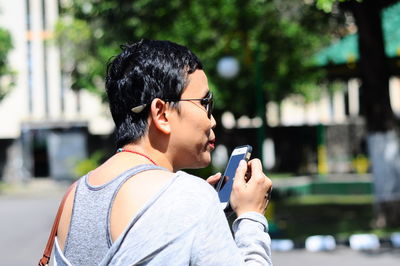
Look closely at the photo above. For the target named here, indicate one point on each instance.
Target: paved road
(26, 218)
(24, 226)
(342, 256)
(26, 214)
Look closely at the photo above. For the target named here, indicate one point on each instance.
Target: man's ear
(159, 113)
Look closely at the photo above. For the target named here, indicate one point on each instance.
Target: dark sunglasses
(207, 102)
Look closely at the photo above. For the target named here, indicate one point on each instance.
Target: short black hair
(144, 71)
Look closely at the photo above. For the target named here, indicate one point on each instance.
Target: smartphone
(224, 185)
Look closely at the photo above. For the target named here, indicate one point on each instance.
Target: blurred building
(42, 102)
(338, 107)
(42, 92)
(342, 104)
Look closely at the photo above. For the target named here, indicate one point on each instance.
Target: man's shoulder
(191, 186)
(195, 182)
(192, 197)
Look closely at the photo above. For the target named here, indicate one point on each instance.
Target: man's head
(142, 72)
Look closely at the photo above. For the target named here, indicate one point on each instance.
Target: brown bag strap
(50, 242)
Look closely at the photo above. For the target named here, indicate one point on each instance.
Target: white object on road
(364, 242)
(282, 244)
(395, 238)
(320, 243)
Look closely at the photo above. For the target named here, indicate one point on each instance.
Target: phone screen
(224, 187)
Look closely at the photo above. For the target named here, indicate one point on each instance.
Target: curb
(34, 187)
(323, 243)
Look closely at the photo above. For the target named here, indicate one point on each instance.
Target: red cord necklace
(138, 153)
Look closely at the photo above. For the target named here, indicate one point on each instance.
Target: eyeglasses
(207, 102)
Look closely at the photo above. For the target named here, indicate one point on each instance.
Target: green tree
(380, 120)
(280, 36)
(5, 72)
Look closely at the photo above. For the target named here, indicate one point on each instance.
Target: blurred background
(312, 85)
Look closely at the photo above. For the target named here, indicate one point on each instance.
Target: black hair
(144, 71)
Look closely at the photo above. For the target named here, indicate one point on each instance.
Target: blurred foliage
(6, 75)
(284, 34)
(85, 166)
(326, 5)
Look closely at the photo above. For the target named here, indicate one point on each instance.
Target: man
(138, 208)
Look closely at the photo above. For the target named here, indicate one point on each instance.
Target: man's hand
(250, 193)
(212, 180)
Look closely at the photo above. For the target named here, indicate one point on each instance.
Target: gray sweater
(183, 224)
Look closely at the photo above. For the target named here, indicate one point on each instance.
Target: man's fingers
(241, 172)
(212, 180)
(255, 165)
(257, 174)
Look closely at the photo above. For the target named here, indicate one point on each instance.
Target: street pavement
(342, 256)
(26, 217)
(27, 213)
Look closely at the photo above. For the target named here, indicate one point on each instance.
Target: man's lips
(212, 143)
